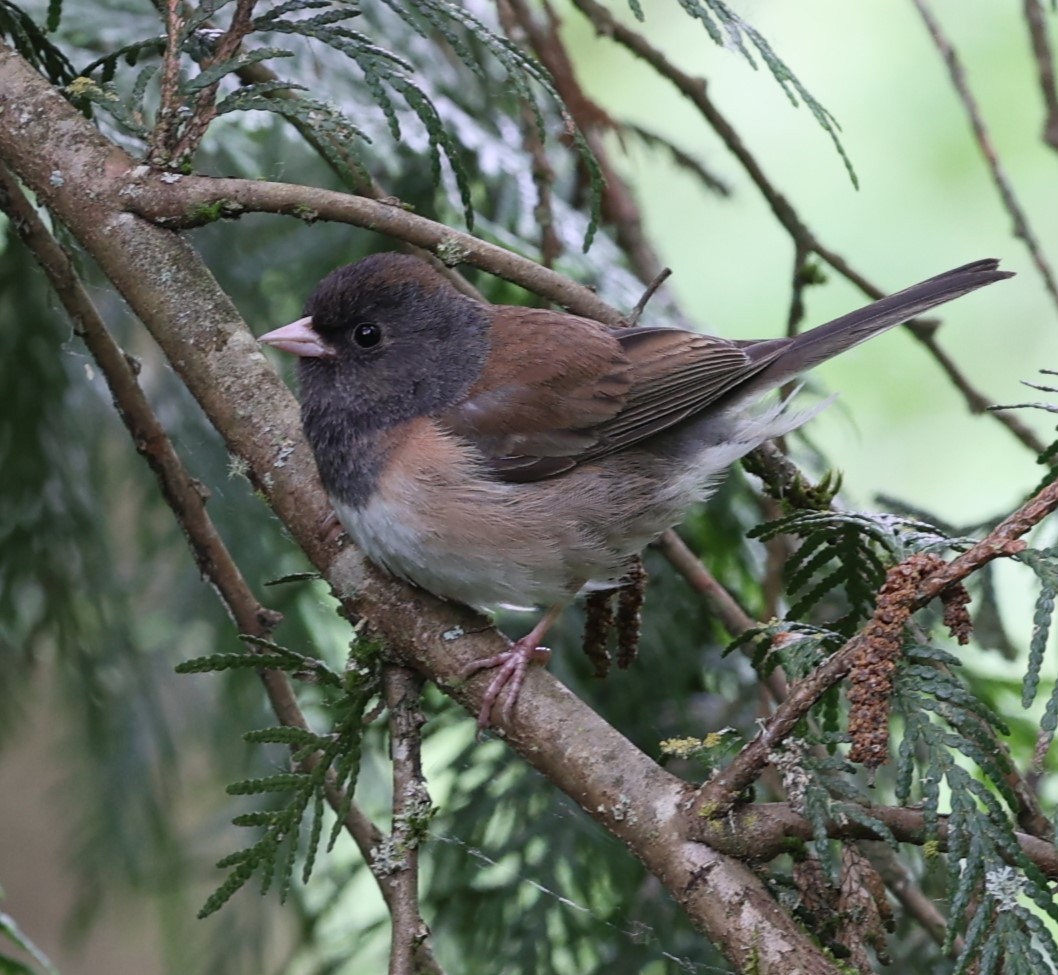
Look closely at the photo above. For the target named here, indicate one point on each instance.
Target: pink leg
(512, 664)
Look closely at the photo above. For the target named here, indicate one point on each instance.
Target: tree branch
(411, 814)
(1035, 18)
(763, 830)
(194, 200)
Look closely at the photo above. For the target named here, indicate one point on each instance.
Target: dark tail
(804, 351)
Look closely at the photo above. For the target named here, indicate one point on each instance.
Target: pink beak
(298, 338)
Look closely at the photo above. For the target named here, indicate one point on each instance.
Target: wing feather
(561, 390)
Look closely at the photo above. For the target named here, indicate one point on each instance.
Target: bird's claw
(507, 682)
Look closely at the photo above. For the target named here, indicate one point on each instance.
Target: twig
(682, 158)
(187, 203)
(1041, 51)
(182, 493)
(764, 829)
(718, 795)
(159, 152)
(1022, 228)
(411, 813)
(901, 881)
(732, 617)
(802, 278)
(636, 313)
(542, 171)
(205, 109)
(619, 207)
(694, 89)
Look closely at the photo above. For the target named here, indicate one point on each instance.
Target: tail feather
(809, 349)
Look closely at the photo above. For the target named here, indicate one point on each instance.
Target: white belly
(438, 520)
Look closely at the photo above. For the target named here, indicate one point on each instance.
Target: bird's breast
(438, 519)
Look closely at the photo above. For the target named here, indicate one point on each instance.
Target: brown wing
(544, 389)
(555, 393)
(676, 374)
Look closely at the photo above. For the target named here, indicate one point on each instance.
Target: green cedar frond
(387, 77)
(11, 932)
(860, 814)
(849, 551)
(520, 69)
(280, 782)
(294, 737)
(32, 43)
(139, 89)
(980, 834)
(215, 73)
(322, 762)
(129, 53)
(125, 112)
(1044, 563)
(713, 12)
(270, 656)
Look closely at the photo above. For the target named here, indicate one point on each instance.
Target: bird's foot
(507, 682)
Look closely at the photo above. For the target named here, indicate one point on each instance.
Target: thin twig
(1022, 228)
(732, 617)
(159, 151)
(718, 795)
(205, 109)
(183, 495)
(694, 89)
(411, 814)
(619, 207)
(801, 279)
(764, 830)
(902, 882)
(682, 158)
(1041, 51)
(636, 313)
(542, 171)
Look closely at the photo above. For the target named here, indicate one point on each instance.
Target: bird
(499, 455)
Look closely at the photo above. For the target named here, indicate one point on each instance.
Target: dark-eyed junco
(498, 455)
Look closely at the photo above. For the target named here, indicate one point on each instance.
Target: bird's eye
(367, 334)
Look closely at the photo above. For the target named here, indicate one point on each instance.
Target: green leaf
(281, 782)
